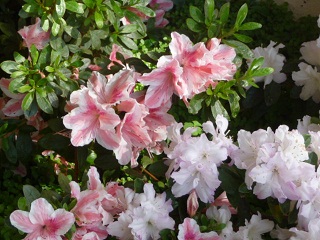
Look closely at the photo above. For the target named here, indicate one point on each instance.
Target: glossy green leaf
(234, 100)
(24, 88)
(147, 11)
(18, 57)
(128, 42)
(250, 26)
(9, 66)
(60, 8)
(241, 15)
(75, 7)
(43, 103)
(209, 11)
(196, 103)
(240, 48)
(55, 29)
(89, 3)
(34, 54)
(98, 18)
(27, 100)
(262, 72)
(217, 108)
(196, 14)
(224, 12)
(243, 38)
(16, 83)
(30, 193)
(193, 25)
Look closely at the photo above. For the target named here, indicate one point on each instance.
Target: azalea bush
(158, 119)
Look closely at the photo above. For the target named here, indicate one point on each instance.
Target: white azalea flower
(273, 59)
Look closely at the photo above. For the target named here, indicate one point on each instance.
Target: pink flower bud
(192, 203)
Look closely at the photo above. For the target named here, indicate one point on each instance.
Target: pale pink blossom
(192, 203)
(305, 125)
(42, 222)
(273, 59)
(113, 55)
(309, 78)
(34, 34)
(190, 230)
(311, 53)
(312, 232)
(163, 82)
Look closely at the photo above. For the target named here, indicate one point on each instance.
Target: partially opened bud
(192, 203)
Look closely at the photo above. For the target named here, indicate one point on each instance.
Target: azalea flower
(190, 230)
(34, 34)
(312, 232)
(42, 222)
(305, 125)
(311, 53)
(309, 79)
(273, 59)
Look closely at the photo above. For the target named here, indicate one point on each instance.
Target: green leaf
(27, 100)
(30, 193)
(262, 72)
(116, 8)
(91, 157)
(196, 14)
(16, 83)
(55, 29)
(256, 64)
(18, 57)
(128, 42)
(234, 100)
(250, 26)
(146, 161)
(89, 3)
(45, 24)
(240, 48)
(75, 7)
(98, 18)
(53, 99)
(212, 31)
(128, 28)
(224, 12)
(60, 8)
(241, 16)
(138, 185)
(9, 66)
(18, 74)
(9, 148)
(217, 108)
(196, 103)
(243, 38)
(34, 54)
(193, 25)
(64, 183)
(22, 204)
(209, 11)
(147, 11)
(43, 103)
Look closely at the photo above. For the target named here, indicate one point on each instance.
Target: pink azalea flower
(34, 34)
(12, 107)
(91, 120)
(42, 222)
(113, 55)
(163, 82)
(190, 230)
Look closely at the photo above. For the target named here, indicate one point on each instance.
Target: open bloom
(273, 59)
(34, 34)
(309, 78)
(42, 222)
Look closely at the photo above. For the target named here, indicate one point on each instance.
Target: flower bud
(192, 203)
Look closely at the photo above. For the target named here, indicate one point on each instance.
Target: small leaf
(147, 11)
(30, 193)
(243, 38)
(256, 63)
(224, 12)
(262, 72)
(64, 183)
(9, 66)
(196, 103)
(138, 185)
(18, 57)
(60, 8)
(98, 18)
(196, 14)
(241, 16)
(34, 54)
(209, 11)
(27, 100)
(193, 25)
(250, 26)
(75, 7)
(128, 42)
(234, 100)
(240, 48)
(89, 3)
(43, 103)
(55, 29)
(217, 108)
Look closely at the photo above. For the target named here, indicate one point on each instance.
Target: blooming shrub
(117, 123)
